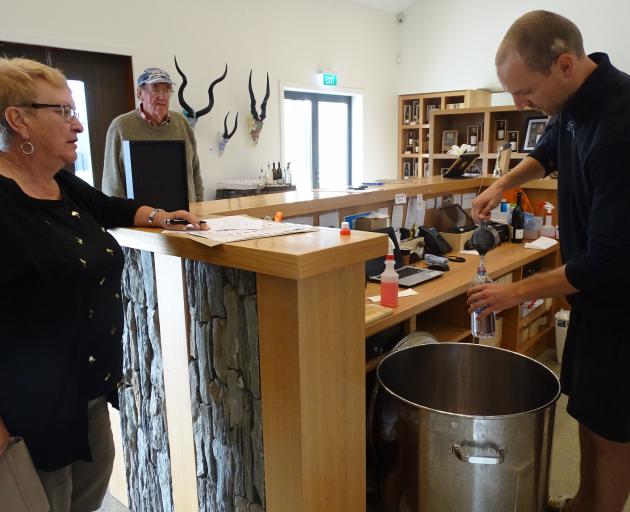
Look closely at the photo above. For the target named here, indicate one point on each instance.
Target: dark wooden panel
(109, 89)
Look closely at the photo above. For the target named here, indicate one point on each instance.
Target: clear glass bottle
(289, 178)
(482, 327)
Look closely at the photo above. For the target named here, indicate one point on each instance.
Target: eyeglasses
(68, 113)
(159, 92)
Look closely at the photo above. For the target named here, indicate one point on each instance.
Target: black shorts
(596, 370)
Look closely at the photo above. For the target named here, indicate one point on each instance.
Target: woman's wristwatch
(152, 215)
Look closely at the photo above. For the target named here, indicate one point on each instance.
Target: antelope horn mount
(224, 138)
(256, 121)
(227, 135)
(190, 114)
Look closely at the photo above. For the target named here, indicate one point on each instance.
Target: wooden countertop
(295, 256)
(500, 261)
(312, 201)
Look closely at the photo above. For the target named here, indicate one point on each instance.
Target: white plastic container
(562, 324)
(389, 284)
(548, 229)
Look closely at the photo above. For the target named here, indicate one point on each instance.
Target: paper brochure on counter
(236, 228)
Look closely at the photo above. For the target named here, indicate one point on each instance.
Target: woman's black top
(61, 313)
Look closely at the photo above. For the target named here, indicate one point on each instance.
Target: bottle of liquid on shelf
(289, 178)
(482, 327)
(548, 229)
(517, 228)
(269, 175)
(389, 283)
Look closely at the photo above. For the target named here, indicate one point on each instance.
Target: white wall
(290, 39)
(451, 44)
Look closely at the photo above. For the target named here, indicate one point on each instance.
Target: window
(318, 139)
(83, 164)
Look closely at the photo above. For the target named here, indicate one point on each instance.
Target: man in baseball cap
(152, 120)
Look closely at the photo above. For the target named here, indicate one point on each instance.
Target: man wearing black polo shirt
(542, 64)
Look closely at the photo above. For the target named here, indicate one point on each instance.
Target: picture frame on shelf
(500, 130)
(513, 140)
(407, 114)
(535, 128)
(449, 139)
(415, 114)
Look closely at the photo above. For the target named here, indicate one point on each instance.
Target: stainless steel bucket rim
(470, 416)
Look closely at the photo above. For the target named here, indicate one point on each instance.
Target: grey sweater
(131, 126)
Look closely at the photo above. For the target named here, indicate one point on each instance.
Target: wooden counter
(310, 303)
(302, 203)
(454, 283)
(310, 306)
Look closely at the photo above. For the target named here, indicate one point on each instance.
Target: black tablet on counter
(156, 173)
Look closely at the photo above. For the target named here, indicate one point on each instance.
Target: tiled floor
(564, 460)
(112, 505)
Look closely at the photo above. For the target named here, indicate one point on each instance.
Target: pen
(181, 221)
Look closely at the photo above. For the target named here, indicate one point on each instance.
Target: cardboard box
(371, 223)
(457, 240)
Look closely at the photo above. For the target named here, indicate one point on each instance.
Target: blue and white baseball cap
(154, 76)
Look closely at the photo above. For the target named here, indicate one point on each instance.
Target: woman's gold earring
(27, 147)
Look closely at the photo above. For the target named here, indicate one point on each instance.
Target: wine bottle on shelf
(518, 220)
(269, 174)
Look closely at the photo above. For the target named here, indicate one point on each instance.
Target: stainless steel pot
(469, 429)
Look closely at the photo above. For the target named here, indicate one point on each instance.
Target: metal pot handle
(475, 454)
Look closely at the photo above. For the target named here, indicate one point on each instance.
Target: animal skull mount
(224, 138)
(256, 121)
(191, 116)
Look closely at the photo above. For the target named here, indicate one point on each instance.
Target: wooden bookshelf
(414, 124)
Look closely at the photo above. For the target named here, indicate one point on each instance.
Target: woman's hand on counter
(180, 220)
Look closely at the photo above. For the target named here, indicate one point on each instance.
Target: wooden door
(109, 87)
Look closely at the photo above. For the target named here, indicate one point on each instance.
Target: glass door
(318, 139)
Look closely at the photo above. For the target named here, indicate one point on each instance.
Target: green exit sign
(329, 79)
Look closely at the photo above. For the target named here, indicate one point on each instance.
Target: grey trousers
(81, 486)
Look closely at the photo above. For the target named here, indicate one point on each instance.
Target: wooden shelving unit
(491, 123)
(414, 124)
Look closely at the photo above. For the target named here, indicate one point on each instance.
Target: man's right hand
(485, 202)
(4, 437)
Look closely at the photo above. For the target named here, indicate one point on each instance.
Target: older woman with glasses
(152, 120)
(60, 306)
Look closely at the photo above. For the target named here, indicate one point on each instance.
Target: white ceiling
(393, 6)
